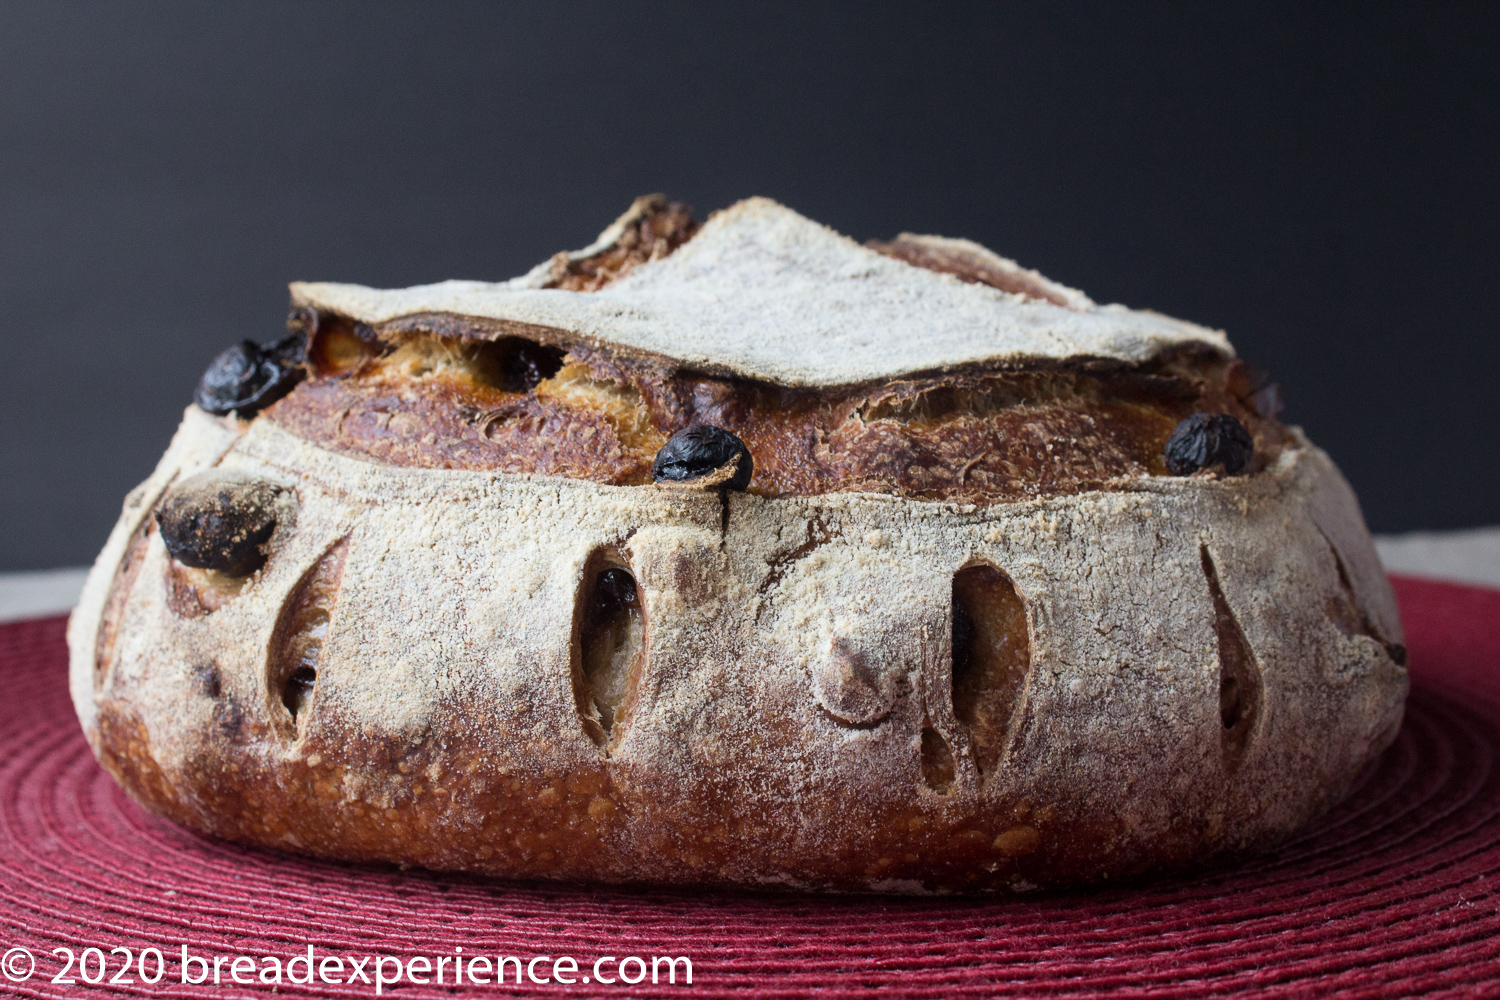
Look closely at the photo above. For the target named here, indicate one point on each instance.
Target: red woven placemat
(1391, 895)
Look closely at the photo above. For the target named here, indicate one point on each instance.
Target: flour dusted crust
(792, 719)
(763, 293)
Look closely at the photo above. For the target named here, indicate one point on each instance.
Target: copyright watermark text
(122, 966)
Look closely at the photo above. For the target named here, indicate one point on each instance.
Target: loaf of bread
(741, 554)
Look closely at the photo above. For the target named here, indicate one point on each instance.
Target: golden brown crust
(975, 436)
(650, 230)
(193, 593)
(463, 807)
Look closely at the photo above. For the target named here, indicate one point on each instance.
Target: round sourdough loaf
(964, 629)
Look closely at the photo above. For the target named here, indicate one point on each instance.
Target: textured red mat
(1392, 895)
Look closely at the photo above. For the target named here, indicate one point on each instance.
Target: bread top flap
(761, 292)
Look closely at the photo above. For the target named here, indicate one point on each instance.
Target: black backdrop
(1319, 182)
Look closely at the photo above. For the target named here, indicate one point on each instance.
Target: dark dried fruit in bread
(699, 450)
(218, 522)
(248, 377)
(1205, 440)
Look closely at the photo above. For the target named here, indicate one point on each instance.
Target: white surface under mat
(1467, 556)
(39, 594)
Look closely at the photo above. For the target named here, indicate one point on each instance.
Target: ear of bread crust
(762, 292)
(968, 261)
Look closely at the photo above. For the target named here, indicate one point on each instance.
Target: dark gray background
(1321, 183)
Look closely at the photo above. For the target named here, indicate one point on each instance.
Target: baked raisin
(614, 592)
(526, 363)
(218, 522)
(699, 450)
(249, 376)
(1205, 440)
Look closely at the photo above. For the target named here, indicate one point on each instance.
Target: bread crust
(763, 293)
(446, 730)
(983, 435)
(963, 632)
